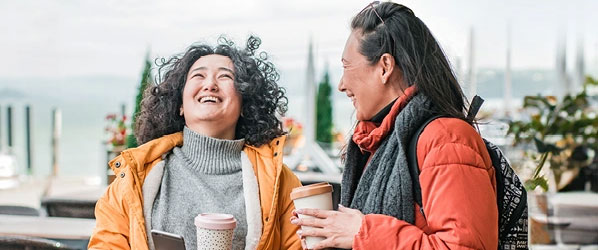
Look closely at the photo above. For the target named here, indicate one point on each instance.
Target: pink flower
(116, 129)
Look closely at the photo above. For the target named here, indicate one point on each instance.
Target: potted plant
(563, 138)
(294, 131)
(116, 129)
(564, 133)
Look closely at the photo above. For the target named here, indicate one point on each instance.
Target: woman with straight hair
(398, 77)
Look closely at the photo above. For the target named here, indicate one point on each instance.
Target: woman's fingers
(308, 221)
(314, 217)
(319, 213)
(325, 244)
(303, 244)
(316, 232)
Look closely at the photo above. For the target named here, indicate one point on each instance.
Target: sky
(82, 37)
(85, 57)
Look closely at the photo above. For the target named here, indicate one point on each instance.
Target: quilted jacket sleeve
(458, 195)
(288, 234)
(112, 223)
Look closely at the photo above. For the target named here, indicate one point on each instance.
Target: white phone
(167, 241)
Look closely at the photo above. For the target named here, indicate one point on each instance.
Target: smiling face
(211, 104)
(359, 80)
(362, 81)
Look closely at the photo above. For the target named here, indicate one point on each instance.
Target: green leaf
(590, 81)
(546, 147)
(540, 145)
(536, 123)
(541, 181)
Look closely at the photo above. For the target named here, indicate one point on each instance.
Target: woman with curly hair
(212, 143)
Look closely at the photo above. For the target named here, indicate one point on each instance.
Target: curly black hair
(255, 79)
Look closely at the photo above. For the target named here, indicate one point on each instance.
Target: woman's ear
(387, 63)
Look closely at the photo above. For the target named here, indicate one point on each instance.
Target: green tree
(324, 110)
(146, 80)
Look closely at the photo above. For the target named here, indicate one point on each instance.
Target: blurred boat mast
(508, 84)
(471, 73)
(579, 63)
(561, 64)
(312, 153)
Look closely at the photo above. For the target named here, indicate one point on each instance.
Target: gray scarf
(385, 187)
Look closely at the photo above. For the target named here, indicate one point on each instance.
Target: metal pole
(123, 108)
(9, 122)
(56, 131)
(28, 138)
(0, 128)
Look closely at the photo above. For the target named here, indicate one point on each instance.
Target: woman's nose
(341, 85)
(210, 85)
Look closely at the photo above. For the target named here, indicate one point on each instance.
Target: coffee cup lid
(310, 190)
(215, 221)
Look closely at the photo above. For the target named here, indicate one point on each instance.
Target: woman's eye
(226, 76)
(197, 75)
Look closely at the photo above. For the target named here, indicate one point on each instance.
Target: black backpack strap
(476, 103)
(412, 160)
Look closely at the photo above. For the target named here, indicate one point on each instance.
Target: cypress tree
(324, 110)
(146, 79)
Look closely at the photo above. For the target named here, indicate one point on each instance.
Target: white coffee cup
(317, 196)
(215, 231)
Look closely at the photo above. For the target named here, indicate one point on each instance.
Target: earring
(181, 113)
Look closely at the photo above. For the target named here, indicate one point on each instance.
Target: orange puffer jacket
(458, 195)
(120, 220)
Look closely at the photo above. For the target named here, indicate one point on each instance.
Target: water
(85, 101)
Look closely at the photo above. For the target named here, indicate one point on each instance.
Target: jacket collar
(272, 149)
(137, 158)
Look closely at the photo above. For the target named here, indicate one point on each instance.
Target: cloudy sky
(74, 54)
(84, 37)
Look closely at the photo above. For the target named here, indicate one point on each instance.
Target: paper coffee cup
(317, 196)
(215, 231)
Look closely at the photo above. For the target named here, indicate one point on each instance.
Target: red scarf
(368, 135)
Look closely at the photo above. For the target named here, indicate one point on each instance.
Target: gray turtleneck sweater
(202, 176)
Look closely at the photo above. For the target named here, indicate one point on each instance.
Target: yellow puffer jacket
(120, 221)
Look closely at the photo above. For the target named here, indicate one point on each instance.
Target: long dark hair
(393, 28)
(255, 80)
